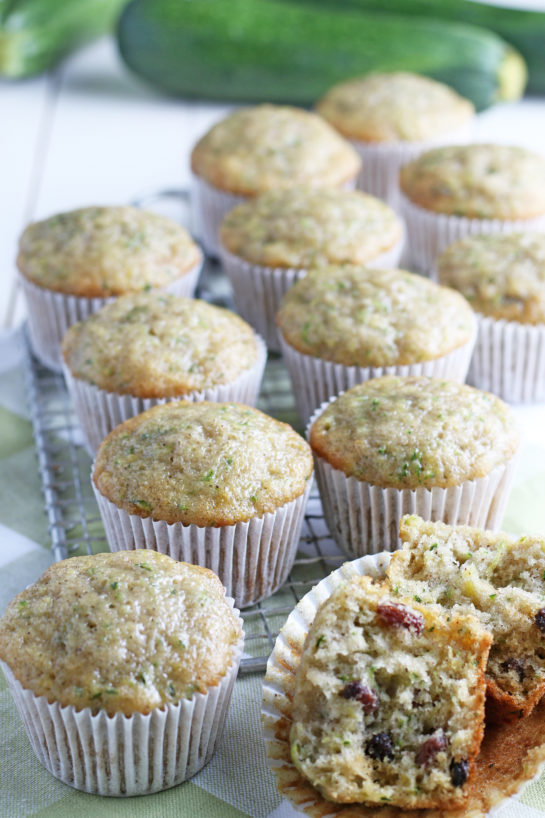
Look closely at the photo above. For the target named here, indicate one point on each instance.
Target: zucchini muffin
(130, 651)
(265, 147)
(389, 700)
(73, 262)
(150, 347)
(455, 191)
(503, 278)
(396, 445)
(391, 119)
(269, 242)
(498, 579)
(342, 325)
(217, 484)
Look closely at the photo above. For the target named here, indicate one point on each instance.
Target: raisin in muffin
(391, 119)
(71, 263)
(503, 278)
(219, 484)
(133, 652)
(268, 243)
(452, 192)
(146, 348)
(395, 445)
(265, 147)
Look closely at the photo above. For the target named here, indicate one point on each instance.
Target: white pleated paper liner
(252, 558)
(315, 380)
(364, 518)
(210, 205)
(258, 290)
(429, 233)
(99, 411)
(51, 313)
(122, 755)
(382, 161)
(509, 360)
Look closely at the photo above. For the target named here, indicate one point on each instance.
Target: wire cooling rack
(75, 525)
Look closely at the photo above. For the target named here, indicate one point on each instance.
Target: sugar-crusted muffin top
(156, 345)
(477, 181)
(396, 107)
(415, 431)
(271, 146)
(358, 316)
(123, 632)
(97, 252)
(202, 463)
(501, 275)
(304, 227)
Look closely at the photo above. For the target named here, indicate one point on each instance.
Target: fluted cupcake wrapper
(509, 360)
(258, 290)
(252, 559)
(210, 205)
(315, 380)
(122, 755)
(364, 518)
(100, 411)
(51, 313)
(382, 162)
(429, 233)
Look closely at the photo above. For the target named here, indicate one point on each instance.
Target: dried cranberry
(516, 665)
(400, 616)
(459, 771)
(540, 619)
(430, 748)
(366, 697)
(380, 746)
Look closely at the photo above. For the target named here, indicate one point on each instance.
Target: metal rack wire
(74, 522)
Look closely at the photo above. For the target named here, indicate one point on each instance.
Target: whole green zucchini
(274, 51)
(524, 29)
(36, 34)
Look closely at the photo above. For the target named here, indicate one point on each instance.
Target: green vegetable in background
(36, 34)
(278, 51)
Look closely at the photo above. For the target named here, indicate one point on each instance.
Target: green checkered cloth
(237, 781)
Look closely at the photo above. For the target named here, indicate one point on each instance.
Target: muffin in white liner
(355, 323)
(363, 516)
(147, 349)
(510, 756)
(190, 495)
(136, 749)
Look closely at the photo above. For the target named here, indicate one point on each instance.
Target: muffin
(392, 118)
(72, 263)
(147, 348)
(216, 484)
(394, 445)
(122, 667)
(351, 737)
(494, 577)
(456, 191)
(269, 242)
(503, 278)
(264, 148)
(343, 325)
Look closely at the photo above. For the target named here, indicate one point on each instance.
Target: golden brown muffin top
(273, 146)
(396, 107)
(305, 227)
(96, 252)
(210, 464)
(156, 345)
(415, 431)
(358, 316)
(501, 275)
(123, 632)
(477, 181)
